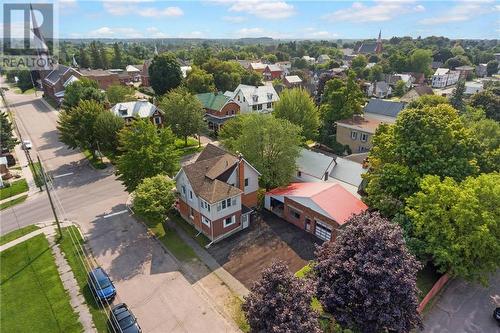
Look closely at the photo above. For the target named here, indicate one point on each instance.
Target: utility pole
(35, 171)
(50, 198)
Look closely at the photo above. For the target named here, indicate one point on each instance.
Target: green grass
(33, 298)
(29, 91)
(179, 142)
(13, 202)
(426, 278)
(17, 187)
(190, 150)
(238, 315)
(172, 241)
(96, 162)
(36, 171)
(72, 256)
(188, 228)
(17, 233)
(301, 273)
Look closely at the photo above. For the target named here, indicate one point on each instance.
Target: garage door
(323, 231)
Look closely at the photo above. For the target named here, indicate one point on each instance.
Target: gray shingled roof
(384, 108)
(313, 163)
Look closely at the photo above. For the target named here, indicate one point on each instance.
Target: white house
(324, 58)
(138, 109)
(310, 60)
(255, 99)
(444, 77)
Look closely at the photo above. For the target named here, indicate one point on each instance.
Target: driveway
(465, 308)
(246, 253)
(148, 279)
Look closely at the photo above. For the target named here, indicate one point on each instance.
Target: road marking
(117, 213)
(63, 175)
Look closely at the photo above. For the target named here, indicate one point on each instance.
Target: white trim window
(205, 221)
(363, 137)
(183, 188)
(157, 120)
(229, 221)
(354, 135)
(190, 195)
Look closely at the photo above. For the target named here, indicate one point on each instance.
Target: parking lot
(246, 253)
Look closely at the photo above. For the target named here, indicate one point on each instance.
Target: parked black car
(101, 285)
(496, 315)
(123, 320)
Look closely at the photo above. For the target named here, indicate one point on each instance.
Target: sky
(278, 19)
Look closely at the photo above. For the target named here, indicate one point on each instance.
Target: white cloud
(382, 10)
(234, 19)
(107, 32)
(313, 33)
(119, 8)
(250, 32)
(463, 11)
(268, 9)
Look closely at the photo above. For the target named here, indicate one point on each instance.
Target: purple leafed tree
(367, 277)
(281, 303)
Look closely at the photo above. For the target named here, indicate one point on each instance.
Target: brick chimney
(241, 172)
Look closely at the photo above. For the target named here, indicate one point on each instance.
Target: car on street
(496, 315)
(101, 285)
(123, 320)
(27, 144)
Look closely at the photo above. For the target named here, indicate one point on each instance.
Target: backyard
(16, 187)
(32, 295)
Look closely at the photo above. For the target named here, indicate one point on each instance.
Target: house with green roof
(219, 108)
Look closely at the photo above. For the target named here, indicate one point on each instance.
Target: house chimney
(241, 172)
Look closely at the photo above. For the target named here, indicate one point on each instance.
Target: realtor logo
(28, 31)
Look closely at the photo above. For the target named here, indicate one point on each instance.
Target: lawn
(17, 187)
(179, 142)
(33, 298)
(188, 228)
(426, 278)
(95, 162)
(72, 256)
(238, 315)
(17, 233)
(172, 241)
(13, 202)
(36, 171)
(29, 91)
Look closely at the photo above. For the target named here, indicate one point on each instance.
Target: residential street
(465, 307)
(147, 278)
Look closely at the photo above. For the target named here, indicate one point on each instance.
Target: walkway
(68, 279)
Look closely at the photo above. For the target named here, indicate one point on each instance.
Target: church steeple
(378, 49)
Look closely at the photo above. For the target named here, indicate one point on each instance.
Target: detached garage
(318, 208)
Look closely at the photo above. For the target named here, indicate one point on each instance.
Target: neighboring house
(318, 208)
(465, 71)
(217, 192)
(473, 88)
(255, 99)
(371, 48)
(272, 72)
(415, 93)
(392, 79)
(418, 78)
(258, 67)
(324, 58)
(134, 72)
(357, 132)
(309, 60)
(103, 77)
(286, 66)
(380, 89)
(55, 82)
(436, 64)
(292, 81)
(138, 109)
(481, 70)
(444, 77)
(218, 108)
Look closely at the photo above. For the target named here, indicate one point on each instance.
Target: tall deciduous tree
(489, 102)
(117, 93)
(7, 139)
(457, 98)
(420, 61)
(24, 80)
(83, 89)
(400, 88)
(106, 128)
(367, 277)
(83, 58)
(153, 197)
(199, 81)
(146, 151)
(183, 112)
(117, 61)
(270, 144)
(296, 106)
(164, 73)
(458, 223)
(280, 303)
(492, 67)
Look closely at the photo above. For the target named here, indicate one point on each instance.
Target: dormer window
(269, 95)
(255, 98)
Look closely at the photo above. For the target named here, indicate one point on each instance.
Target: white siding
(182, 180)
(215, 215)
(253, 179)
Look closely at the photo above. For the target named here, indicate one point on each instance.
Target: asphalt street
(147, 279)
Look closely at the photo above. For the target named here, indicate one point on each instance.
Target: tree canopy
(281, 303)
(458, 223)
(164, 73)
(270, 144)
(7, 139)
(83, 89)
(107, 125)
(296, 106)
(199, 81)
(153, 197)
(366, 278)
(118, 93)
(146, 151)
(489, 102)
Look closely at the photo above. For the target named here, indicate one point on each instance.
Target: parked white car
(27, 144)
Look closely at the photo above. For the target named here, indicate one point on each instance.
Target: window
(229, 221)
(246, 182)
(254, 107)
(299, 173)
(295, 214)
(233, 201)
(228, 202)
(364, 137)
(238, 98)
(259, 106)
(157, 120)
(269, 105)
(183, 190)
(190, 195)
(191, 213)
(354, 135)
(205, 221)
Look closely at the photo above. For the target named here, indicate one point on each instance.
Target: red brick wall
(219, 229)
(105, 81)
(226, 110)
(250, 199)
(436, 288)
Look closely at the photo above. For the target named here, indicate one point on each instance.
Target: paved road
(465, 308)
(147, 279)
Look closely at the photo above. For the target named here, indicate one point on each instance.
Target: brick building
(218, 108)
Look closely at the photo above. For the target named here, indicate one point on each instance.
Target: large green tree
(117, 61)
(164, 73)
(270, 144)
(107, 125)
(297, 106)
(7, 139)
(199, 81)
(489, 102)
(457, 98)
(153, 197)
(420, 61)
(83, 89)
(146, 151)
(183, 113)
(459, 223)
(24, 80)
(118, 93)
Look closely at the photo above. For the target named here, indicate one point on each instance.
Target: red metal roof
(339, 203)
